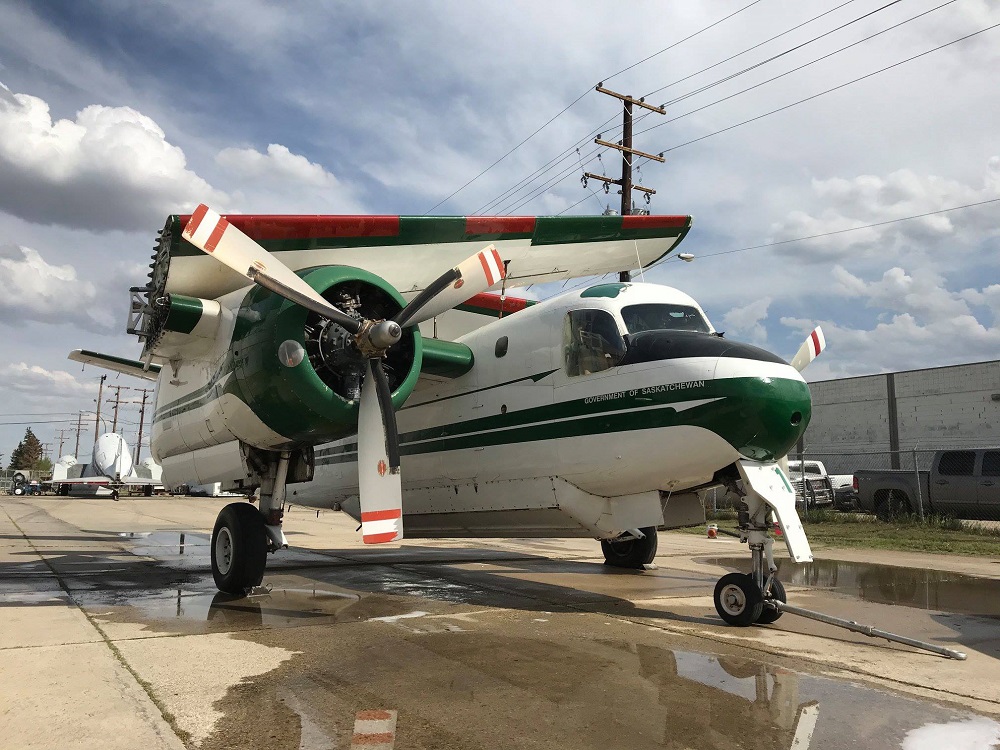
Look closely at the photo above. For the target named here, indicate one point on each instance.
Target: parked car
(961, 483)
(819, 491)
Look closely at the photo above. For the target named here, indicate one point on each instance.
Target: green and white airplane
(290, 361)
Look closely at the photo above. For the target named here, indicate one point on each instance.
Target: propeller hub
(384, 334)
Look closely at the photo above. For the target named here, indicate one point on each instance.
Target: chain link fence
(961, 483)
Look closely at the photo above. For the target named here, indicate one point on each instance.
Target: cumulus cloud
(921, 324)
(747, 322)
(280, 180)
(33, 289)
(109, 168)
(32, 381)
(849, 204)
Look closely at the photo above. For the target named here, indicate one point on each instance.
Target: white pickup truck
(824, 489)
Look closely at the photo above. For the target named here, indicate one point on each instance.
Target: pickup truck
(961, 483)
(819, 492)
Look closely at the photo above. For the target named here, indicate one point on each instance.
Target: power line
(788, 51)
(581, 96)
(840, 231)
(46, 421)
(681, 41)
(830, 90)
(799, 67)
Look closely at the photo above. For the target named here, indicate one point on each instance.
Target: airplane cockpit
(596, 339)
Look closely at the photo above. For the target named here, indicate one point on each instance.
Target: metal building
(884, 418)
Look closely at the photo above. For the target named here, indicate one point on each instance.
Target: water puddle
(937, 590)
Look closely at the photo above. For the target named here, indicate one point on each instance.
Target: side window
(592, 342)
(957, 463)
(991, 464)
(501, 347)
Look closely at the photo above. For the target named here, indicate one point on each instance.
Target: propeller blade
(811, 348)
(211, 233)
(470, 277)
(379, 485)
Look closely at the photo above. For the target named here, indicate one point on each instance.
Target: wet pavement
(939, 590)
(511, 644)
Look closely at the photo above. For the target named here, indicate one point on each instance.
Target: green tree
(28, 452)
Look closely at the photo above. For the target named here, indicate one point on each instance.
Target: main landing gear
(635, 548)
(244, 535)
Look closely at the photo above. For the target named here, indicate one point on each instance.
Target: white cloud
(33, 380)
(110, 168)
(748, 321)
(869, 199)
(280, 180)
(32, 289)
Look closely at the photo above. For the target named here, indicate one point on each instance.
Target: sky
(116, 113)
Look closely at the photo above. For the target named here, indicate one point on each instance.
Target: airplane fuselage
(583, 415)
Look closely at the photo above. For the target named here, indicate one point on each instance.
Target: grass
(943, 534)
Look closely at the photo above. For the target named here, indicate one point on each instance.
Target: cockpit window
(659, 317)
(592, 342)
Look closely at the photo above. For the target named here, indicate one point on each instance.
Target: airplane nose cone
(772, 406)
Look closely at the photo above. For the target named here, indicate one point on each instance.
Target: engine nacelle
(301, 374)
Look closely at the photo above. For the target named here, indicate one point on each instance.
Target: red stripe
(654, 222)
(493, 302)
(499, 260)
(373, 715)
(278, 227)
(195, 221)
(815, 340)
(216, 235)
(485, 225)
(486, 269)
(379, 738)
(382, 515)
(379, 538)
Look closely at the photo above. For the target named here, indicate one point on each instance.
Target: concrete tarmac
(113, 635)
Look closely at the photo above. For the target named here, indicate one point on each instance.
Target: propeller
(811, 348)
(379, 483)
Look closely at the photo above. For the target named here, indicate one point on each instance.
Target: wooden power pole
(79, 429)
(117, 403)
(97, 419)
(628, 154)
(142, 416)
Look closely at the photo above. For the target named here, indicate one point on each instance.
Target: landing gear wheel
(738, 600)
(239, 548)
(770, 614)
(631, 553)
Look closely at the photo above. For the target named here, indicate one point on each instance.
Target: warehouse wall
(887, 415)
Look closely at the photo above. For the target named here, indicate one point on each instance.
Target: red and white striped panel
(374, 730)
(492, 265)
(380, 526)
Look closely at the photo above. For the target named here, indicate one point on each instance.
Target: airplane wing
(409, 251)
(116, 364)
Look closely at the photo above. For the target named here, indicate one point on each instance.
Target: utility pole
(97, 419)
(142, 416)
(625, 146)
(62, 439)
(79, 429)
(117, 403)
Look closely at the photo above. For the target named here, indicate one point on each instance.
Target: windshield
(653, 317)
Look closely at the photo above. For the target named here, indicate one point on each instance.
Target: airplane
(300, 356)
(111, 467)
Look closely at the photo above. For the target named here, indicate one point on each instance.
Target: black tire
(18, 477)
(64, 490)
(19, 489)
(891, 504)
(634, 553)
(770, 614)
(147, 490)
(239, 557)
(738, 600)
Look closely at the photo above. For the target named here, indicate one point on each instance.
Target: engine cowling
(301, 374)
